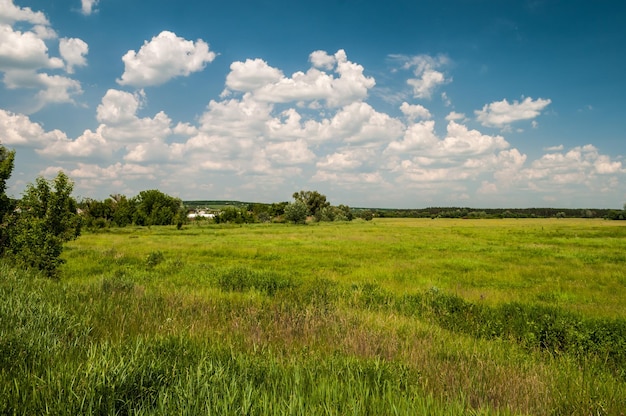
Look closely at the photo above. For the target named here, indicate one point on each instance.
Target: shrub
(154, 258)
(296, 212)
(45, 219)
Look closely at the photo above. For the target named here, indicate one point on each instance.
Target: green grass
(385, 317)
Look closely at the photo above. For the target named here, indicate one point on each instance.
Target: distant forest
(442, 212)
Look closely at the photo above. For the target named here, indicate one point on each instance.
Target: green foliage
(313, 200)
(367, 215)
(153, 207)
(154, 258)
(296, 212)
(6, 205)
(234, 215)
(46, 218)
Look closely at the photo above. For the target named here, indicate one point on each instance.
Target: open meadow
(391, 316)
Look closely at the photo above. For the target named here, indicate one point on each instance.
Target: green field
(392, 316)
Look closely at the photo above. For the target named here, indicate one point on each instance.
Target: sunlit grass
(575, 264)
(383, 317)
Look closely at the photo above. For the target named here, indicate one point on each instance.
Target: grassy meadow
(392, 316)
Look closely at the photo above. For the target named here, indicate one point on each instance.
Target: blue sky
(402, 104)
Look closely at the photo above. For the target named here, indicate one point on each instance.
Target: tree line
(472, 213)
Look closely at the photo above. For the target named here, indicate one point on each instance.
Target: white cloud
(357, 123)
(460, 142)
(352, 181)
(581, 169)
(24, 51)
(88, 6)
(56, 89)
(166, 56)
(23, 54)
(19, 130)
(73, 51)
(251, 75)
(234, 118)
(414, 112)
(454, 116)
(120, 123)
(118, 107)
(152, 151)
(88, 145)
(554, 148)
(501, 113)
(426, 71)
(270, 85)
(349, 159)
(290, 153)
(321, 59)
(10, 13)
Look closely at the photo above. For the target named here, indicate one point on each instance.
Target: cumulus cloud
(88, 145)
(166, 56)
(321, 59)
(88, 6)
(73, 52)
(251, 75)
(290, 153)
(142, 140)
(24, 57)
(454, 116)
(24, 51)
(415, 112)
(19, 130)
(459, 142)
(57, 89)
(426, 69)
(10, 13)
(269, 84)
(503, 113)
(120, 123)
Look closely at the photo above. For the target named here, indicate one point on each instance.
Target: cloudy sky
(402, 103)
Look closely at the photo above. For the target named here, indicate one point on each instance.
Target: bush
(296, 212)
(45, 219)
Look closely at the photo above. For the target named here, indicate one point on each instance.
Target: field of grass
(393, 316)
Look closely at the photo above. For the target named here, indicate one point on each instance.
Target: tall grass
(362, 318)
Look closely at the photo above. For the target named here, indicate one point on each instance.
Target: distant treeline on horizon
(446, 212)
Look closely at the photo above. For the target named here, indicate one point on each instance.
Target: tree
(156, 208)
(124, 210)
(296, 212)
(6, 205)
(314, 202)
(367, 215)
(46, 218)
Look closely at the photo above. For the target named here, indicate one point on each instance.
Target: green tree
(153, 207)
(313, 200)
(296, 212)
(124, 210)
(46, 218)
(367, 215)
(6, 204)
